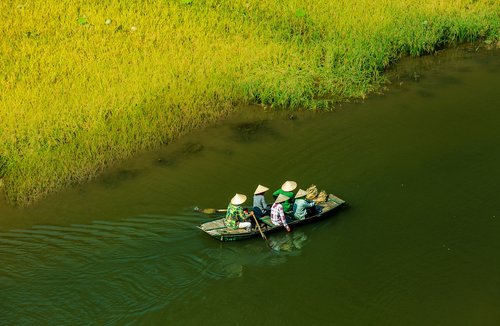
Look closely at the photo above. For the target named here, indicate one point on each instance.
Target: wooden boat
(218, 230)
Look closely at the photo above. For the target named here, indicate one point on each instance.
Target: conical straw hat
(260, 189)
(300, 193)
(281, 198)
(238, 199)
(289, 186)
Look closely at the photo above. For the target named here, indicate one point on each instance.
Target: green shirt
(234, 215)
(287, 205)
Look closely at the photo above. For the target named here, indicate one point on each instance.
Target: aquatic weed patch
(250, 131)
(84, 84)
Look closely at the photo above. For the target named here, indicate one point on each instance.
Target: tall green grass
(86, 83)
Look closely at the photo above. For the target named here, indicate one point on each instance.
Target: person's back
(277, 214)
(259, 201)
(301, 205)
(235, 216)
(286, 190)
(300, 208)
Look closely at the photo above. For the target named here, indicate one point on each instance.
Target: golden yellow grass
(86, 83)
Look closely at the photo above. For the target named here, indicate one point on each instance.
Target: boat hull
(219, 231)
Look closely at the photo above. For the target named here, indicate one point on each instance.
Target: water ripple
(109, 272)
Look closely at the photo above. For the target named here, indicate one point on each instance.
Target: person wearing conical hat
(277, 214)
(286, 189)
(235, 216)
(301, 205)
(259, 201)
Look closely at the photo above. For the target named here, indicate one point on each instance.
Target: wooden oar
(258, 226)
(210, 210)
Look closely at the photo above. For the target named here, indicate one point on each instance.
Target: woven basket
(312, 192)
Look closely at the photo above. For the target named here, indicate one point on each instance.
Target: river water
(418, 243)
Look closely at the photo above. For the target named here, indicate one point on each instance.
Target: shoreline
(70, 120)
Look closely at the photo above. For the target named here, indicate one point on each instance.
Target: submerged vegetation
(85, 83)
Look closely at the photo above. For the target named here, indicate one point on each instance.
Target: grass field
(86, 83)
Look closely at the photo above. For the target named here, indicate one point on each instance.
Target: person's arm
(241, 216)
(283, 219)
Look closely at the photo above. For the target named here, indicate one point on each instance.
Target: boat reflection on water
(232, 260)
(288, 242)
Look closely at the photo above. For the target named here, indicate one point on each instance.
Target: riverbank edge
(4, 191)
(13, 199)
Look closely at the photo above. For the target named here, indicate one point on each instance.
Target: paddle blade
(210, 210)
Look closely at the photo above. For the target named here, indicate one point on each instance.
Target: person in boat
(277, 213)
(301, 206)
(287, 190)
(259, 202)
(236, 217)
